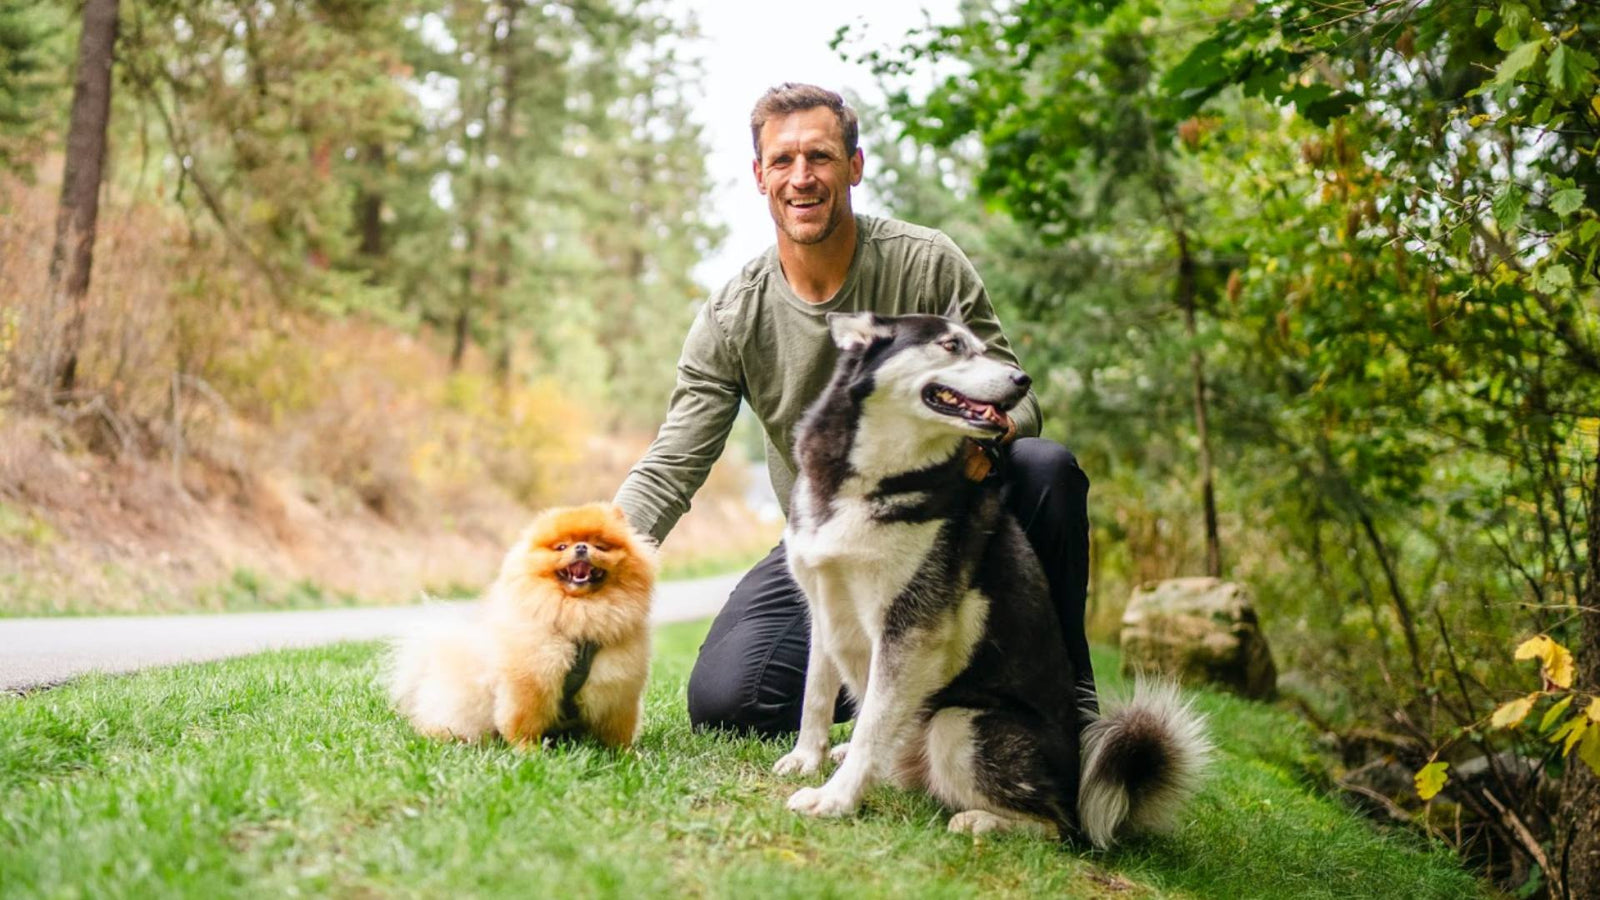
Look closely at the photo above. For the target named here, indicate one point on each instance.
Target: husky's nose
(1021, 379)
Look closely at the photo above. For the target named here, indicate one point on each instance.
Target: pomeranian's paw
(838, 753)
(799, 761)
(825, 802)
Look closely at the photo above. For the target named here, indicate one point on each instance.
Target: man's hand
(978, 463)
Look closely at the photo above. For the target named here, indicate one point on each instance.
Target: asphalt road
(36, 653)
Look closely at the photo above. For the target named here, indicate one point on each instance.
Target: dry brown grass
(219, 442)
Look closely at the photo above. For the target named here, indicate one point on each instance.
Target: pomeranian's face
(583, 548)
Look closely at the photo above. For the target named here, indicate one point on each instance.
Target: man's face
(805, 174)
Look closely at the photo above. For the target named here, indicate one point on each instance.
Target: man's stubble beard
(835, 219)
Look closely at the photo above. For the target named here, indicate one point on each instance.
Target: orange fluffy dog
(560, 643)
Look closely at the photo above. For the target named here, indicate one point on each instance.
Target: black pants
(751, 672)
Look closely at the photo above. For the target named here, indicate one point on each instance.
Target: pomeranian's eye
(560, 547)
(601, 547)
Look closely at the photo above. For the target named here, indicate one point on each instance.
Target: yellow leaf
(1555, 661)
(1554, 713)
(1589, 750)
(1558, 666)
(1534, 648)
(1511, 714)
(1593, 712)
(1430, 779)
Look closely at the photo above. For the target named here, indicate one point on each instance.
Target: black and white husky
(929, 603)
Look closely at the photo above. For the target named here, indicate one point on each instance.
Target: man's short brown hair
(791, 97)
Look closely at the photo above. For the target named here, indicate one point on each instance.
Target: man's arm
(699, 418)
(951, 275)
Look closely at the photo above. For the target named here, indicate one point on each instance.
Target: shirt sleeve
(700, 417)
(952, 278)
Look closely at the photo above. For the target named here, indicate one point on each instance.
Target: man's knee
(1044, 461)
(716, 700)
(722, 697)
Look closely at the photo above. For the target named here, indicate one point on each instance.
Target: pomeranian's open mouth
(953, 403)
(581, 572)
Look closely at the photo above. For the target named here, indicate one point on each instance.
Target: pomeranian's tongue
(579, 570)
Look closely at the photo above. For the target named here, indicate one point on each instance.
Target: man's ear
(761, 181)
(858, 164)
(857, 331)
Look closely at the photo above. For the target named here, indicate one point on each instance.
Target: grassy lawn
(286, 774)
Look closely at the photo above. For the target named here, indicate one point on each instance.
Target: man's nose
(802, 174)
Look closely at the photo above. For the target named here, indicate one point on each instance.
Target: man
(764, 339)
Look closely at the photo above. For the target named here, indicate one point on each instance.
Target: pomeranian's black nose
(1021, 379)
(581, 549)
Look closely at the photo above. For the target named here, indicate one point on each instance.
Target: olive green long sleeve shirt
(757, 341)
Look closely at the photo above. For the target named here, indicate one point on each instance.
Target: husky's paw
(976, 822)
(837, 754)
(820, 801)
(798, 762)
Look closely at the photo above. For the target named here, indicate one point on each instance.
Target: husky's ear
(856, 331)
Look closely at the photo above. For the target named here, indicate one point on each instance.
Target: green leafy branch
(1571, 718)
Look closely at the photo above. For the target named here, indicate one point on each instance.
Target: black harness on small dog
(576, 677)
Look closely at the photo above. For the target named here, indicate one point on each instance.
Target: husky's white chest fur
(852, 565)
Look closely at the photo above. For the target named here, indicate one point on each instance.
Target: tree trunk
(458, 346)
(72, 258)
(369, 204)
(1580, 789)
(1186, 302)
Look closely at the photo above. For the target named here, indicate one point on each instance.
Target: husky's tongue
(579, 571)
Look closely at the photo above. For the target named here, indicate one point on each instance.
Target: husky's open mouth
(949, 402)
(581, 572)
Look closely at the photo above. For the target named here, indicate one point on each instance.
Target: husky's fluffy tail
(1142, 760)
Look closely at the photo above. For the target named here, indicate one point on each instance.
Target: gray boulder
(1202, 631)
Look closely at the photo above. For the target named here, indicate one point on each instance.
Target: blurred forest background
(1309, 286)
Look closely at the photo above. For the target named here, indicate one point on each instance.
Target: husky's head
(929, 372)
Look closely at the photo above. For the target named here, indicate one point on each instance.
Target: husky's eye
(951, 344)
(560, 547)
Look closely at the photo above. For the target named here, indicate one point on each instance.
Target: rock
(1202, 631)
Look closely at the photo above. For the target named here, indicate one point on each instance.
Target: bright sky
(749, 47)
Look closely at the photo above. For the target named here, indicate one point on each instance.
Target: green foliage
(1391, 216)
(34, 60)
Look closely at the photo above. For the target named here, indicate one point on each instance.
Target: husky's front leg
(816, 711)
(897, 686)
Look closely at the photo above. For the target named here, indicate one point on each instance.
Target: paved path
(41, 652)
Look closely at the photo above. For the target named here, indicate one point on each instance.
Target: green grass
(682, 568)
(287, 774)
